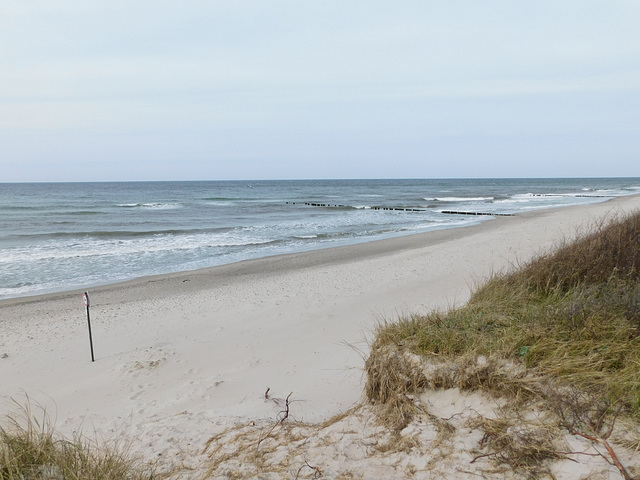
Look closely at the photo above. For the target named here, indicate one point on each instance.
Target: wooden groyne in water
(402, 209)
(451, 212)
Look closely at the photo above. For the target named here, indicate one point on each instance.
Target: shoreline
(274, 263)
(181, 357)
(308, 258)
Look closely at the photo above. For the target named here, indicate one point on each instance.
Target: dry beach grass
(30, 448)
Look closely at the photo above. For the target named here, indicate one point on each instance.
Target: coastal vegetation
(30, 448)
(561, 331)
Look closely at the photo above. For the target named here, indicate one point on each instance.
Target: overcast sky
(233, 89)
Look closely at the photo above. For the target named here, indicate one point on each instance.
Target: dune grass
(31, 449)
(572, 314)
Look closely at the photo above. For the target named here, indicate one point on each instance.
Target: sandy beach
(181, 357)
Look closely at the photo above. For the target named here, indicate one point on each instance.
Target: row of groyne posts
(402, 209)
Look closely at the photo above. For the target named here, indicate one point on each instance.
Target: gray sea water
(63, 236)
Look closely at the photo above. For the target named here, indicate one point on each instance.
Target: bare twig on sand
(285, 415)
(317, 473)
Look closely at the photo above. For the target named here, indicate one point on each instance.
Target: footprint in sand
(147, 360)
(141, 390)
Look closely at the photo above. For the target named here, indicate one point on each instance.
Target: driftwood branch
(576, 416)
(614, 458)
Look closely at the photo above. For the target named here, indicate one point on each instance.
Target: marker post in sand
(87, 304)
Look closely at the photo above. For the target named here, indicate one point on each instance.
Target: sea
(65, 236)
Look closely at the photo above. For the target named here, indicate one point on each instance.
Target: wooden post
(87, 304)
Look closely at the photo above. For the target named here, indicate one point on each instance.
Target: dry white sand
(181, 357)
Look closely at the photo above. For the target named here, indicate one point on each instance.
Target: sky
(266, 89)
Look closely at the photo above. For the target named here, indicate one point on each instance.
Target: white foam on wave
(519, 198)
(155, 206)
(459, 199)
(437, 225)
(124, 247)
